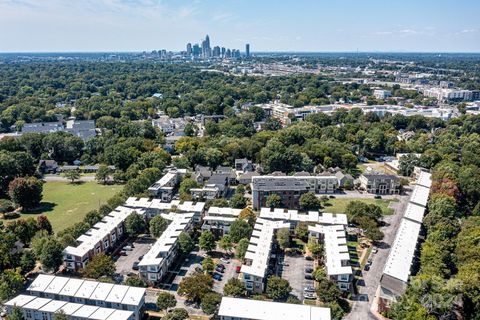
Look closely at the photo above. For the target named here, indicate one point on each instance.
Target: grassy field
(338, 205)
(66, 204)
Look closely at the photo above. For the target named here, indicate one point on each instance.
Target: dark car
(308, 270)
(308, 277)
(221, 266)
(217, 276)
(308, 258)
(377, 197)
(219, 270)
(135, 265)
(367, 267)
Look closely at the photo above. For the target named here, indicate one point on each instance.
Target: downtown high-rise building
(247, 50)
(189, 49)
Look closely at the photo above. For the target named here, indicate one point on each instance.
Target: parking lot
(139, 249)
(292, 268)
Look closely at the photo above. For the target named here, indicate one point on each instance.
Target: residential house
(344, 180)
(243, 165)
(47, 166)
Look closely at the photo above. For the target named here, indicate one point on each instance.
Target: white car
(225, 260)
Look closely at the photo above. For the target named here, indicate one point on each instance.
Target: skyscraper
(189, 49)
(247, 50)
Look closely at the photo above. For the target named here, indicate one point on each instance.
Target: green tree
(278, 288)
(26, 192)
(327, 290)
(241, 248)
(176, 314)
(44, 224)
(136, 281)
(60, 315)
(103, 174)
(238, 201)
(301, 231)
(234, 287)
(185, 186)
(240, 229)
(210, 302)
(207, 241)
(207, 265)
(273, 201)
(195, 287)
(283, 238)
(49, 251)
(100, 265)
(157, 226)
(166, 301)
(92, 217)
(308, 201)
(16, 314)
(27, 261)
(72, 175)
(226, 243)
(134, 224)
(185, 242)
(11, 283)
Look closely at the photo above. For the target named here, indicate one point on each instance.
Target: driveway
(293, 270)
(371, 279)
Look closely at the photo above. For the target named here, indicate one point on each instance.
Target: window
(28, 314)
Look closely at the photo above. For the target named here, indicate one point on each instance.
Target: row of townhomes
(218, 220)
(165, 187)
(79, 299)
(328, 228)
(154, 265)
(396, 273)
(244, 309)
(290, 188)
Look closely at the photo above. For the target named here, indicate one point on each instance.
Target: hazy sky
(268, 25)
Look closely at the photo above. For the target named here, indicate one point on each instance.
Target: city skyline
(268, 26)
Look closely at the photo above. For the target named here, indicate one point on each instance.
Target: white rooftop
(267, 310)
(403, 249)
(258, 251)
(53, 306)
(336, 250)
(420, 195)
(424, 179)
(218, 211)
(414, 212)
(311, 216)
(99, 231)
(164, 181)
(20, 300)
(87, 289)
(157, 204)
(168, 238)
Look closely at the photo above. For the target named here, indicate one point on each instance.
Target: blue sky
(268, 25)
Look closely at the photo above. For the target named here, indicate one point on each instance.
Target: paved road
(54, 177)
(361, 307)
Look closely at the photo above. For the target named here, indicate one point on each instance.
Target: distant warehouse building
(290, 188)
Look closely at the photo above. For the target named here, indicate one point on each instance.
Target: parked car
(238, 268)
(309, 295)
(369, 261)
(225, 260)
(377, 197)
(221, 270)
(131, 274)
(308, 270)
(221, 265)
(283, 264)
(127, 248)
(309, 289)
(374, 249)
(135, 265)
(308, 277)
(367, 267)
(140, 258)
(309, 258)
(217, 276)
(123, 253)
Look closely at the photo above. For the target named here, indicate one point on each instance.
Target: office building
(247, 50)
(155, 264)
(290, 188)
(189, 49)
(91, 293)
(247, 309)
(382, 94)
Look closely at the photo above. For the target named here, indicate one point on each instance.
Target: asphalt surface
(124, 263)
(294, 272)
(371, 279)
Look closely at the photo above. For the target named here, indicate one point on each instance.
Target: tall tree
(26, 192)
(207, 241)
(158, 224)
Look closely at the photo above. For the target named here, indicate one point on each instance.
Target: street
(366, 291)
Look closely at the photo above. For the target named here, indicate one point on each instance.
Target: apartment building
(165, 187)
(259, 252)
(312, 217)
(286, 113)
(218, 220)
(153, 207)
(247, 309)
(380, 183)
(35, 308)
(396, 273)
(442, 94)
(154, 265)
(290, 188)
(382, 94)
(90, 293)
(337, 258)
(102, 237)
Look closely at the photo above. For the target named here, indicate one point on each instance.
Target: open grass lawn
(66, 204)
(338, 205)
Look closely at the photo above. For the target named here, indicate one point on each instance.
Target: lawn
(66, 204)
(338, 205)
